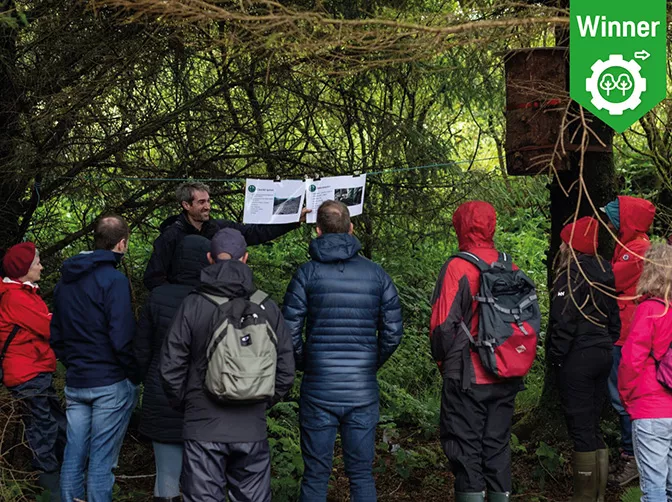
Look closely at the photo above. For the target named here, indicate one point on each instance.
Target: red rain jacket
(29, 354)
(650, 336)
(458, 282)
(636, 217)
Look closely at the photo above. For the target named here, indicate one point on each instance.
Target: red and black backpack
(509, 318)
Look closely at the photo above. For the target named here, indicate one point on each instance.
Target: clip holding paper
(357, 174)
(277, 178)
(317, 176)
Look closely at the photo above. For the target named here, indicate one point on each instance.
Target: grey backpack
(242, 350)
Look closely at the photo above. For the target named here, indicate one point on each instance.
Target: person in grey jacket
(225, 446)
(353, 325)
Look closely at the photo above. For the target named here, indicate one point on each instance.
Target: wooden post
(599, 179)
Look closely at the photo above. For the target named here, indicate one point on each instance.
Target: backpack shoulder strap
(504, 261)
(11, 336)
(258, 297)
(214, 299)
(474, 260)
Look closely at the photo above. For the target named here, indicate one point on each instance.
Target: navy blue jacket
(93, 325)
(353, 322)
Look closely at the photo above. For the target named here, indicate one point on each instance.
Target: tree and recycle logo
(618, 58)
(616, 74)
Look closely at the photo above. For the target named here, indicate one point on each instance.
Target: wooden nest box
(542, 124)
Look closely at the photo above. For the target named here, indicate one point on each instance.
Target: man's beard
(200, 216)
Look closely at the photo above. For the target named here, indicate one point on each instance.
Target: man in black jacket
(194, 199)
(225, 447)
(158, 420)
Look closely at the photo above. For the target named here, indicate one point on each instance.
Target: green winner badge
(618, 58)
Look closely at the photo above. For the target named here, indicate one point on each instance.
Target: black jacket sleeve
(565, 315)
(390, 326)
(158, 265)
(258, 234)
(295, 310)
(143, 341)
(175, 357)
(284, 374)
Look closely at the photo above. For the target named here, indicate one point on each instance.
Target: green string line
(91, 177)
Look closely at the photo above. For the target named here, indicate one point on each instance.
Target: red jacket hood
(636, 217)
(475, 224)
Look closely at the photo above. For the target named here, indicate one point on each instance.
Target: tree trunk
(600, 187)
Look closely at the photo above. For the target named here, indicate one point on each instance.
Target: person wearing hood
(194, 200)
(92, 331)
(225, 445)
(584, 324)
(353, 321)
(158, 420)
(28, 362)
(476, 405)
(631, 218)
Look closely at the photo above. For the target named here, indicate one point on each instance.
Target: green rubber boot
(470, 497)
(602, 457)
(585, 476)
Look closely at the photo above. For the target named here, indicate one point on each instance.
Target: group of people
(610, 324)
(196, 350)
(602, 345)
(205, 448)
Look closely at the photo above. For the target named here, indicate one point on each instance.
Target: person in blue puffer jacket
(353, 325)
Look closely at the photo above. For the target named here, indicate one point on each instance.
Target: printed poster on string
(346, 189)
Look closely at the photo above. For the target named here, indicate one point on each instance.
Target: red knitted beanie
(18, 259)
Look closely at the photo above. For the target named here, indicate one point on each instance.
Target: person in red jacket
(29, 361)
(632, 218)
(645, 399)
(475, 423)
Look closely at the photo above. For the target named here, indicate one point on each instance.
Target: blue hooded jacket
(353, 322)
(93, 326)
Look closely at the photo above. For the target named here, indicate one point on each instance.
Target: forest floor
(419, 474)
(410, 468)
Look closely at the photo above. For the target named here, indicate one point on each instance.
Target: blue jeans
(653, 451)
(624, 418)
(97, 422)
(319, 425)
(168, 459)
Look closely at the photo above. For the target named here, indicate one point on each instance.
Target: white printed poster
(274, 202)
(346, 189)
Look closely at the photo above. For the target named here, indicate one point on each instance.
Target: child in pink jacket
(647, 402)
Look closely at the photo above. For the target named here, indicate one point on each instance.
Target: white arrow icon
(643, 55)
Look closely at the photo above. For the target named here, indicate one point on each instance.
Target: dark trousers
(211, 470)
(475, 434)
(583, 389)
(319, 426)
(44, 420)
(624, 418)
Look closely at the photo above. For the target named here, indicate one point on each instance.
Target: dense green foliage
(102, 112)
